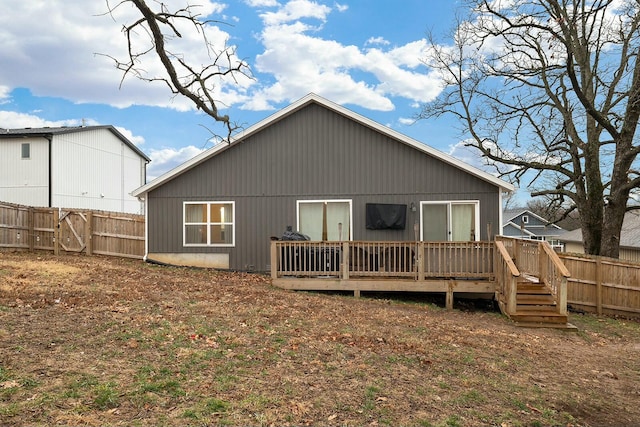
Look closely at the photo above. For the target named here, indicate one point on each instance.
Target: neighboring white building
(92, 167)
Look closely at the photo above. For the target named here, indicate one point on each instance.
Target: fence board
(81, 231)
(603, 285)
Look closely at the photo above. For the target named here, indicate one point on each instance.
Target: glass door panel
(434, 222)
(463, 222)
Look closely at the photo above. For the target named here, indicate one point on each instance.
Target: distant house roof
(509, 214)
(629, 235)
(301, 103)
(50, 131)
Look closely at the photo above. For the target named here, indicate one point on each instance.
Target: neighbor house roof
(629, 234)
(48, 132)
(301, 103)
(509, 214)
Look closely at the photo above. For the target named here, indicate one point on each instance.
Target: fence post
(56, 232)
(30, 233)
(599, 286)
(88, 234)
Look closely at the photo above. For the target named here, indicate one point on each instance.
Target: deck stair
(536, 306)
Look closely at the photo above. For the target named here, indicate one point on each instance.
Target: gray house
(523, 223)
(324, 171)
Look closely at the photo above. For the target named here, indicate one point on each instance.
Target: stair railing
(506, 277)
(554, 274)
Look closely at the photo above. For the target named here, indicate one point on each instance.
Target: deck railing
(417, 260)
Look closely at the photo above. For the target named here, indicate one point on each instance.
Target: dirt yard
(107, 341)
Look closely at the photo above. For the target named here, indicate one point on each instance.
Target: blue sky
(363, 54)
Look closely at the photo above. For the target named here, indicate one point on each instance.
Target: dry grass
(105, 341)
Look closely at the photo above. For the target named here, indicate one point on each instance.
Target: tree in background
(549, 91)
(150, 38)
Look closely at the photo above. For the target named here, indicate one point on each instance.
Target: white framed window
(25, 150)
(450, 220)
(209, 224)
(525, 219)
(324, 220)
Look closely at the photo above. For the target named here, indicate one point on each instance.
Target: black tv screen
(384, 216)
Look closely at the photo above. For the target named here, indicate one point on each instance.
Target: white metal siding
(24, 181)
(95, 170)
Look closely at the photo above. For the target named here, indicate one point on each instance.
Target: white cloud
(70, 47)
(14, 120)
(301, 61)
(294, 10)
(135, 140)
(296, 58)
(377, 40)
(262, 3)
(5, 92)
(406, 121)
(342, 7)
(166, 159)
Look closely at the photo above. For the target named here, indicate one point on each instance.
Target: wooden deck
(488, 269)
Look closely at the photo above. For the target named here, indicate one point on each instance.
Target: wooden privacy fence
(603, 285)
(69, 230)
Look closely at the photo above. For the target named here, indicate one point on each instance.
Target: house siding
(94, 169)
(24, 181)
(313, 154)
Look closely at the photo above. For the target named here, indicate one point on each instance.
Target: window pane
(337, 212)
(221, 234)
(463, 222)
(26, 151)
(434, 222)
(311, 218)
(195, 213)
(221, 212)
(195, 234)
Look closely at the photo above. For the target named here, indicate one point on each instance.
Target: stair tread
(548, 300)
(538, 313)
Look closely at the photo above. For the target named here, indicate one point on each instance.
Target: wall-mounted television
(386, 216)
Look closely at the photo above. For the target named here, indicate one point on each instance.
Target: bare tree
(149, 35)
(549, 91)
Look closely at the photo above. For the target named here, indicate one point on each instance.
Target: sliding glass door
(449, 221)
(324, 220)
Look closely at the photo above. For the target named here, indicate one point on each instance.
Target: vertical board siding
(24, 181)
(313, 154)
(95, 170)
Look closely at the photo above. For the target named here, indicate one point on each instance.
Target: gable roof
(509, 214)
(301, 103)
(629, 234)
(48, 132)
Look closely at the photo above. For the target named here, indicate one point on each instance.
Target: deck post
(420, 260)
(345, 261)
(449, 298)
(512, 292)
(562, 296)
(274, 260)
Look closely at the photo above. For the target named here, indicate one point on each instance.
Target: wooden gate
(73, 231)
